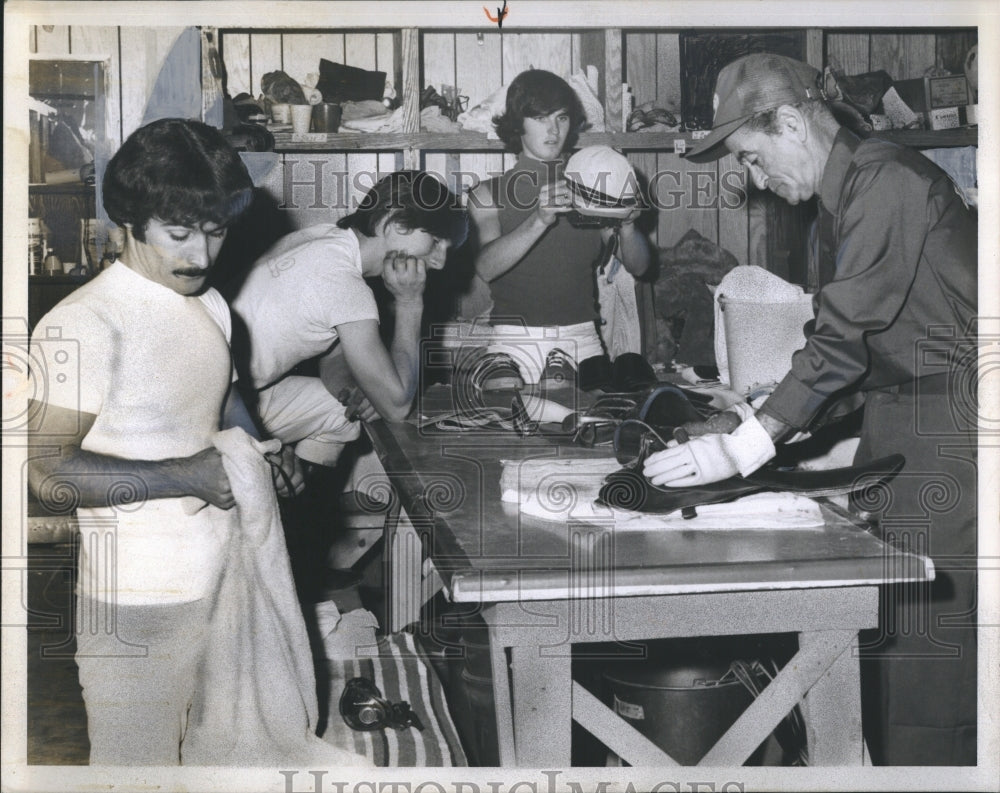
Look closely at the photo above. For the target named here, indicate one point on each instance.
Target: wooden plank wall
(903, 55)
(135, 54)
(479, 64)
(322, 186)
(708, 198)
(712, 198)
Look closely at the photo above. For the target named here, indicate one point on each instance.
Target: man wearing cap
(897, 264)
(539, 266)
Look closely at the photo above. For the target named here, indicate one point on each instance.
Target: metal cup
(326, 117)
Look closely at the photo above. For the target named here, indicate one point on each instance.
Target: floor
(57, 721)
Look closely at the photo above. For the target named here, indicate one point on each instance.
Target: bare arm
(729, 420)
(235, 413)
(778, 430)
(634, 250)
(389, 378)
(500, 252)
(58, 466)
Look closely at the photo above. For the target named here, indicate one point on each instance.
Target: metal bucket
(678, 699)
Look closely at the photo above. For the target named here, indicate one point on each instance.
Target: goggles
(364, 708)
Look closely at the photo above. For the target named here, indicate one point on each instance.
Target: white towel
(258, 705)
(566, 489)
(621, 329)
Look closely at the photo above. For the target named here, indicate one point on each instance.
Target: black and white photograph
(471, 397)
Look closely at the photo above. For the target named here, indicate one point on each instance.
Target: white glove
(711, 458)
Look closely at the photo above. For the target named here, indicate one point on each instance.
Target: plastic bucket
(761, 338)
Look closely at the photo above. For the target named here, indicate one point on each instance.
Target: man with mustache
(139, 381)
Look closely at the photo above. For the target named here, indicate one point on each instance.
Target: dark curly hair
(178, 171)
(534, 93)
(414, 199)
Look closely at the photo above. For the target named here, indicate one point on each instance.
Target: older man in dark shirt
(897, 262)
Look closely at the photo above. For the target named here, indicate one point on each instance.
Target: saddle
(629, 489)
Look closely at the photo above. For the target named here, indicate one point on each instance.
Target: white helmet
(602, 182)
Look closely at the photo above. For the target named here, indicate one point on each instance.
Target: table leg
(501, 702)
(832, 710)
(543, 707)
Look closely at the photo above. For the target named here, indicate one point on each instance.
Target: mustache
(191, 271)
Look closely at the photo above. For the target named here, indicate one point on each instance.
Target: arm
(500, 252)
(99, 480)
(389, 379)
(879, 239)
(235, 413)
(634, 247)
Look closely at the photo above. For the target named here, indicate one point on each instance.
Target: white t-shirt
(296, 294)
(154, 367)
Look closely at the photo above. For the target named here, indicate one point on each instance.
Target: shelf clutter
(614, 80)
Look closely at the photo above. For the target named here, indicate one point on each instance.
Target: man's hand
(404, 276)
(286, 461)
(720, 423)
(711, 458)
(357, 405)
(553, 200)
(204, 477)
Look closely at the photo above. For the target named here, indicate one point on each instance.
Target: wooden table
(547, 585)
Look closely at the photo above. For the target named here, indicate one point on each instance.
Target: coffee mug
(281, 113)
(301, 118)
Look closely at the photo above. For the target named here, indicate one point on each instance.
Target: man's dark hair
(535, 93)
(414, 199)
(179, 172)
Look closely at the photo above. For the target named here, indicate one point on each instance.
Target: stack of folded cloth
(566, 489)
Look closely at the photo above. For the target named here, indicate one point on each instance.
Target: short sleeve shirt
(296, 295)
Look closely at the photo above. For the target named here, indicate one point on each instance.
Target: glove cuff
(750, 446)
(742, 409)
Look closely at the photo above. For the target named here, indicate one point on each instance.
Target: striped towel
(401, 673)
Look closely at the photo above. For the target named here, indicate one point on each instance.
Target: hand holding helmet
(603, 188)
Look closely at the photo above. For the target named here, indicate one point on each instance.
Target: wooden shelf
(629, 141)
(932, 139)
(59, 280)
(461, 141)
(69, 188)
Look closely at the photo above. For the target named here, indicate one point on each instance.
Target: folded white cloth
(565, 489)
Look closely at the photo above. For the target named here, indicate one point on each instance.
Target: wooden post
(613, 79)
(410, 41)
(211, 78)
(814, 48)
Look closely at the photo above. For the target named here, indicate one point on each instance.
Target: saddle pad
(401, 673)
